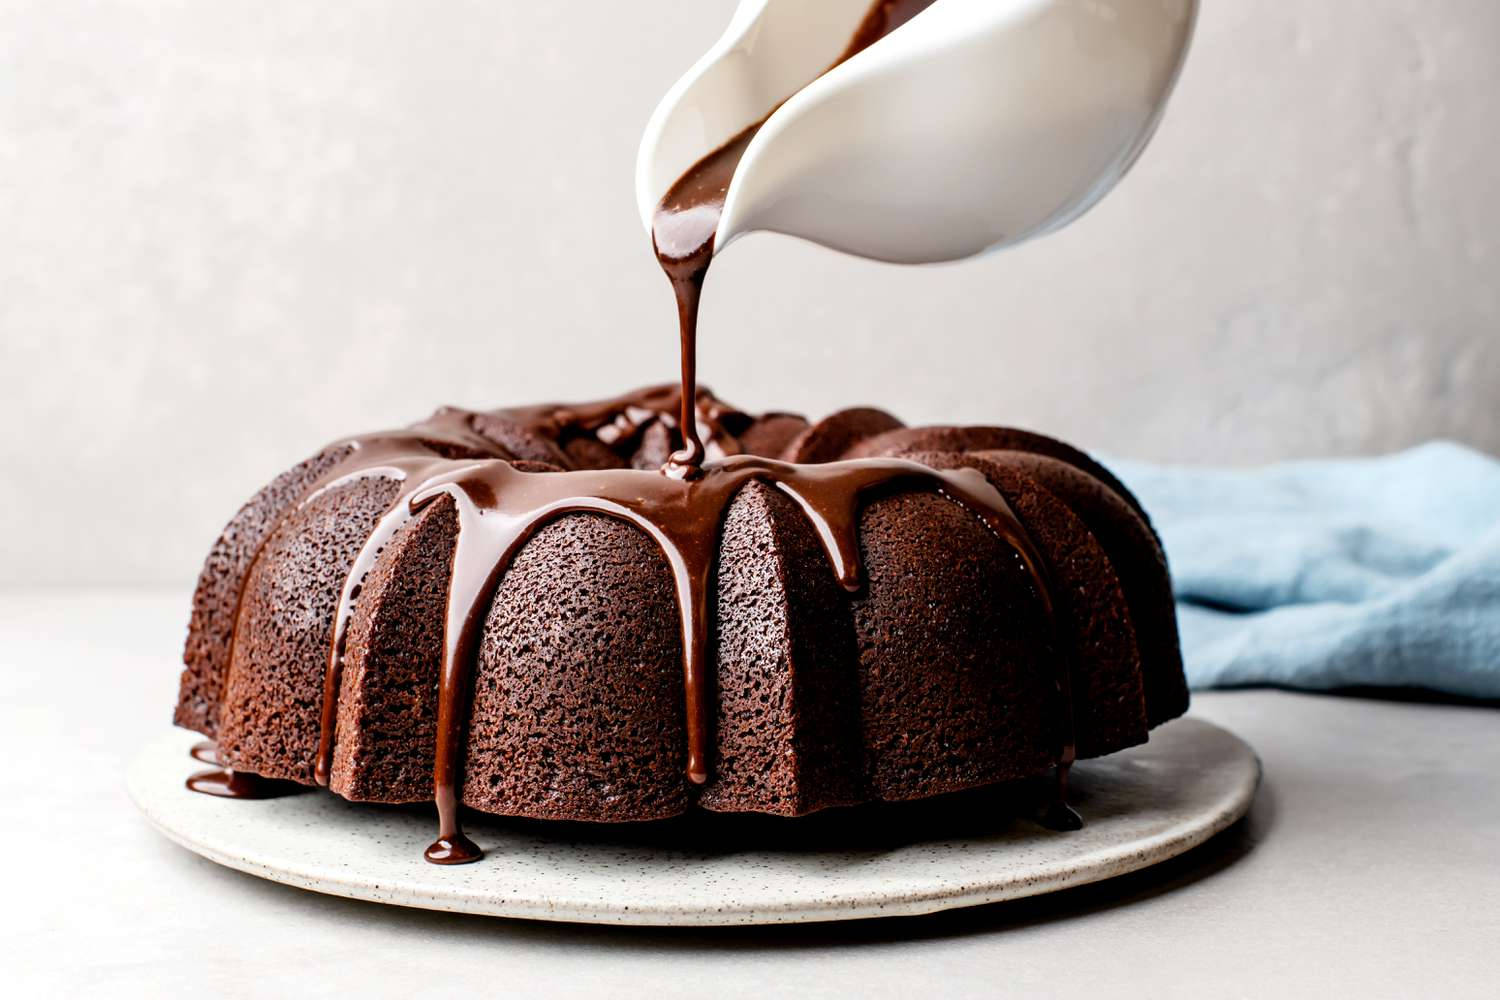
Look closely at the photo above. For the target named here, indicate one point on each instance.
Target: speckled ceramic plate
(1140, 807)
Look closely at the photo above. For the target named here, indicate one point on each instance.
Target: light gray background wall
(230, 231)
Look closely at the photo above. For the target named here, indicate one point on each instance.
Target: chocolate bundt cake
(518, 612)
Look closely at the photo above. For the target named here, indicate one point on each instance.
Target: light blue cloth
(1324, 574)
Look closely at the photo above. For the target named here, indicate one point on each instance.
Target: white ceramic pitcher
(974, 126)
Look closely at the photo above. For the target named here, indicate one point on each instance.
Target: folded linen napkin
(1324, 574)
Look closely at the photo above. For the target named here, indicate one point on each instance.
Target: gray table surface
(1369, 865)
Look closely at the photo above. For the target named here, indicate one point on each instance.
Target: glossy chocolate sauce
(207, 751)
(227, 783)
(501, 503)
(686, 224)
(885, 17)
(618, 423)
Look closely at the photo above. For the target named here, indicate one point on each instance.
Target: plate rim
(1112, 861)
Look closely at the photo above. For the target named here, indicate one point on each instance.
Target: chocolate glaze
(682, 233)
(686, 223)
(227, 783)
(206, 751)
(618, 423)
(885, 17)
(1057, 814)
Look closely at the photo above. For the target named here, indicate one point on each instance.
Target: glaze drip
(227, 783)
